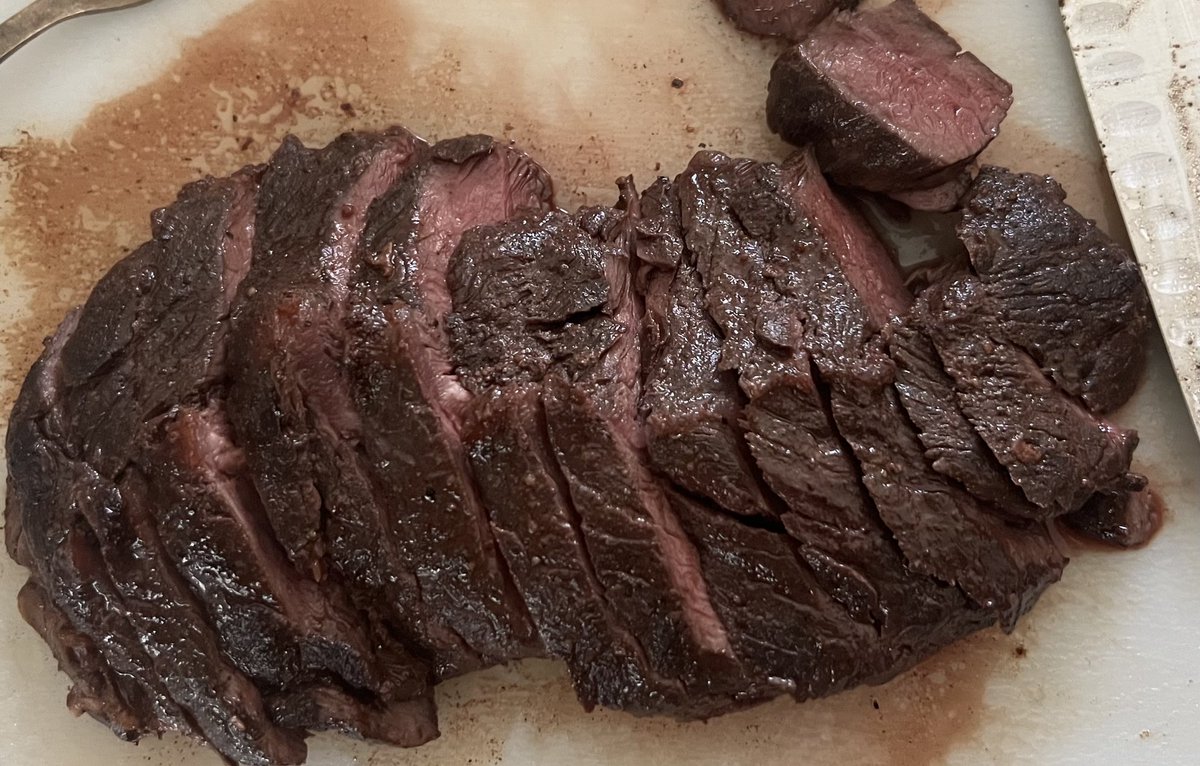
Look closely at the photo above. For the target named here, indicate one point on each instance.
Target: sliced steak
(755, 255)
(311, 211)
(630, 559)
(1054, 450)
(942, 530)
(952, 445)
(792, 19)
(690, 405)
(411, 405)
(1063, 290)
(280, 628)
(887, 99)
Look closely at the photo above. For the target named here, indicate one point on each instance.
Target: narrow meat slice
(942, 530)
(1124, 519)
(887, 99)
(1062, 289)
(752, 251)
(792, 19)
(538, 530)
(786, 627)
(95, 688)
(312, 207)
(1054, 450)
(530, 296)
(690, 405)
(952, 445)
(411, 405)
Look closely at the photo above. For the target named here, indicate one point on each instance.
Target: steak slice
(312, 207)
(887, 99)
(690, 405)
(1124, 519)
(753, 251)
(1054, 450)
(1062, 289)
(942, 530)
(792, 19)
(411, 405)
(278, 627)
(576, 342)
(46, 533)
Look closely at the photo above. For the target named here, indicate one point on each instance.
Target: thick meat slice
(792, 19)
(280, 628)
(1054, 450)
(1062, 289)
(311, 211)
(690, 406)
(887, 99)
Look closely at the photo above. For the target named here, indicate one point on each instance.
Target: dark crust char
(1063, 290)
(374, 415)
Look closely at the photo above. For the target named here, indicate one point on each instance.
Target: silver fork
(40, 15)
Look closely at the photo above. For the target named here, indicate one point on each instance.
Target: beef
(377, 414)
(1123, 519)
(952, 445)
(792, 19)
(888, 101)
(942, 530)
(632, 558)
(690, 405)
(765, 271)
(1054, 450)
(1063, 290)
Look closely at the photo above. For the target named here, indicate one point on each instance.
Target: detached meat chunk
(1123, 519)
(888, 101)
(1055, 451)
(792, 19)
(1063, 290)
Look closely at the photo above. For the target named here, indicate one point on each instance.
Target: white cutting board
(1103, 671)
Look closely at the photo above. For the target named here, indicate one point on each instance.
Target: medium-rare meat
(792, 19)
(1124, 519)
(1062, 289)
(1055, 451)
(373, 415)
(690, 405)
(889, 102)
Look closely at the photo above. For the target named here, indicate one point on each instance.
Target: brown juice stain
(595, 102)
(597, 106)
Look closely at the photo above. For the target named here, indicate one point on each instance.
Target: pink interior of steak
(865, 261)
(898, 63)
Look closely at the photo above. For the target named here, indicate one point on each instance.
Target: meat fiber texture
(373, 415)
(889, 102)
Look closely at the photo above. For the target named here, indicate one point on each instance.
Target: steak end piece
(888, 100)
(792, 19)
(1122, 519)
